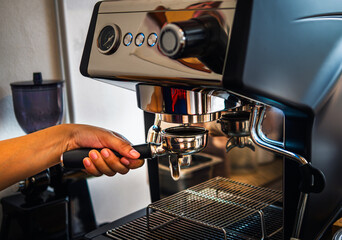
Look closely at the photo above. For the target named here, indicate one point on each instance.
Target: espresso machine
(225, 64)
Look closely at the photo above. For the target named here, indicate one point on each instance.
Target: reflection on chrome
(184, 106)
(202, 37)
(199, 64)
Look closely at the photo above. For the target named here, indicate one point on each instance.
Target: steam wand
(313, 180)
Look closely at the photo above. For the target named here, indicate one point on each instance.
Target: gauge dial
(109, 39)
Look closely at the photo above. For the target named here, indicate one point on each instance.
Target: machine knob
(202, 37)
(183, 39)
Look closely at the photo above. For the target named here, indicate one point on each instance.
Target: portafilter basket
(176, 142)
(181, 142)
(235, 123)
(184, 140)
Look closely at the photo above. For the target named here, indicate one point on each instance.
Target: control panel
(153, 41)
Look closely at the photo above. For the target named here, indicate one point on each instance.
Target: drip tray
(216, 209)
(182, 229)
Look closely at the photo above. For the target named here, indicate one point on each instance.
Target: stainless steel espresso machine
(206, 65)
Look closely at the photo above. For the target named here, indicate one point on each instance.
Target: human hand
(104, 161)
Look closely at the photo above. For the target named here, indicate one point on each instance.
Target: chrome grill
(217, 209)
(180, 229)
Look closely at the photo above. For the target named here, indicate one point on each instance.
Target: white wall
(28, 43)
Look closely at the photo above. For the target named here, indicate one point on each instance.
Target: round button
(139, 39)
(169, 41)
(128, 39)
(152, 39)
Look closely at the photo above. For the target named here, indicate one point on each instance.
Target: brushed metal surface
(145, 63)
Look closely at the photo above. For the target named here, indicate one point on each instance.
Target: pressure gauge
(109, 39)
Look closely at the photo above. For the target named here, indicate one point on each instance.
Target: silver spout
(249, 143)
(231, 143)
(240, 142)
(174, 166)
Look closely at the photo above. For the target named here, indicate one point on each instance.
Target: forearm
(30, 154)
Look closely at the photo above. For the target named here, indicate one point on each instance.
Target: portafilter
(235, 125)
(177, 142)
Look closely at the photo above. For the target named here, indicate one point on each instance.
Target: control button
(172, 40)
(139, 39)
(152, 39)
(108, 40)
(128, 38)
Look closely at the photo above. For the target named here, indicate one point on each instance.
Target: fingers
(84, 136)
(90, 168)
(106, 163)
(123, 147)
(113, 162)
(132, 163)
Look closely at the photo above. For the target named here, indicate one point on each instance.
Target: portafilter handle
(73, 159)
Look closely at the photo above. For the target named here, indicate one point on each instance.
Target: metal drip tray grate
(224, 205)
(217, 209)
(178, 230)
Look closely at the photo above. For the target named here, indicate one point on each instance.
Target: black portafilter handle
(74, 159)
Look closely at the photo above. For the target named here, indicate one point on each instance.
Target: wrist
(68, 139)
